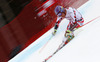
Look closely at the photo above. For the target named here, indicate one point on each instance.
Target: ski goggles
(59, 14)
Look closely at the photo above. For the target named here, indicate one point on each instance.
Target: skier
(75, 21)
(74, 17)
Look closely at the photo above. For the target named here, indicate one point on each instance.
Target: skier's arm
(57, 23)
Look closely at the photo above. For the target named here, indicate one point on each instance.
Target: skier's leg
(69, 31)
(68, 34)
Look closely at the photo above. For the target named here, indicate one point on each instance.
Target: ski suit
(73, 16)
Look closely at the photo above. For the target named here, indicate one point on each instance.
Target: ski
(52, 55)
(59, 48)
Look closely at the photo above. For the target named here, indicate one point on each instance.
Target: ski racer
(71, 14)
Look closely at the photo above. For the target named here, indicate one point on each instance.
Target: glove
(55, 30)
(69, 33)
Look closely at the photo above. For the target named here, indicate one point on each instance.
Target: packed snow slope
(85, 47)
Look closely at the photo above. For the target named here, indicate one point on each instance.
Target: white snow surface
(85, 47)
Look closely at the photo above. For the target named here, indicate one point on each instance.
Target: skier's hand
(67, 33)
(55, 30)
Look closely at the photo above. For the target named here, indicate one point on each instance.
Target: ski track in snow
(83, 48)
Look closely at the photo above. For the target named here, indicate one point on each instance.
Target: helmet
(58, 10)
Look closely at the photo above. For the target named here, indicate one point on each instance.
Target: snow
(83, 48)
